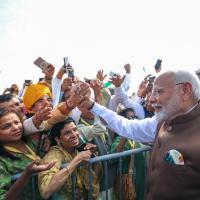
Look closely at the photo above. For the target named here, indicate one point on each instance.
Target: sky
(97, 34)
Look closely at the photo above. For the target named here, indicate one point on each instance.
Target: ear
(187, 90)
(57, 140)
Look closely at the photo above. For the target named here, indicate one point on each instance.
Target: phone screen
(41, 63)
(66, 62)
(158, 64)
(151, 79)
(113, 74)
(28, 81)
(70, 73)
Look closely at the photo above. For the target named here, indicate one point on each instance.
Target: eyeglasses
(180, 83)
(156, 92)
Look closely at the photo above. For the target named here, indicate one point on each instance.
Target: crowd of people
(53, 127)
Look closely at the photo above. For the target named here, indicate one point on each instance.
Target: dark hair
(14, 88)
(56, 129)
(3, 152)
(125, 111)
(5, 97)
(6, 111)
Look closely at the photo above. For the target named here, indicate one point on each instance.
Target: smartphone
(41, 63)
(158, 64)
(70, 72)
(151, 79)
(113, 74)
(66, 61)
(28, 81)
(41, 79)
(81, 148)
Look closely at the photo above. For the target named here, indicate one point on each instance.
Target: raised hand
(67, 84)
(100, 75)
(97, 87)
(117, 80)
(146, 78)
(77, 93)
(45, 112)
(142, 89)
(86, 102)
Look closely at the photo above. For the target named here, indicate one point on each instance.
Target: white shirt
(29, 126)
(137, 130)
(124, 99)
(56, 89)
(126, 83)
(115, 100)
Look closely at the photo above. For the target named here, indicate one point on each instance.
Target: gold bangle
(63, 108)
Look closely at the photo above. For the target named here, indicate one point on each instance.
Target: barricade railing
(108, 157)
(103, 159)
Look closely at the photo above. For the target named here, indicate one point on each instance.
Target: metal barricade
(104, 159)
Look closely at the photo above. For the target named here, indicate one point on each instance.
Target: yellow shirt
(61, 156)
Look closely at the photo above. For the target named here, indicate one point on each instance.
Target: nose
(74, 133)
(15, 126)
(47, 101)
(152, 98)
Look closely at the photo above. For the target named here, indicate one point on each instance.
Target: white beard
(168, 111)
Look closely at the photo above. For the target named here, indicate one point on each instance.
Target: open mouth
(157, 107)
(75, 141)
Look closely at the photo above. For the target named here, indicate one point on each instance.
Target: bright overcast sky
(97, 34)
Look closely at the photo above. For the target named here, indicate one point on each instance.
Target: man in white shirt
(174, 171)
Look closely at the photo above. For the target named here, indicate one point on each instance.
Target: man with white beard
(174, 170)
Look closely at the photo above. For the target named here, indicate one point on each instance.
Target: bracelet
(64, 108)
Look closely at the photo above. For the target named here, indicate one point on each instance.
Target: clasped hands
(80, 95)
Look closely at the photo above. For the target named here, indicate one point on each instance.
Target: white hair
(183, 76)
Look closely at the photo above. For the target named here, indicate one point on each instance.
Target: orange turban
(33, 93)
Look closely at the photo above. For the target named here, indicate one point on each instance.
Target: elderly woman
(58, 180)
(16, 156)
